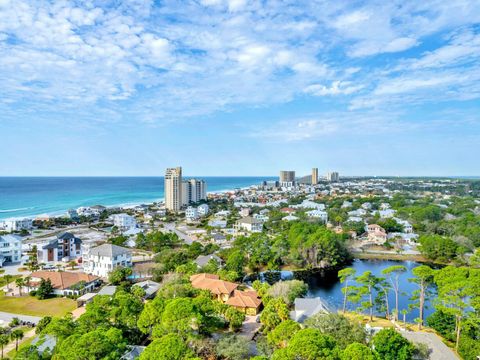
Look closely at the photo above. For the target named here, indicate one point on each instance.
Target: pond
(325, 284)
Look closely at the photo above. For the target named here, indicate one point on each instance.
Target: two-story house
(101, 260)
(65, 247)
(10, 249)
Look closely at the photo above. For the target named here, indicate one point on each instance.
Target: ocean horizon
(54, 195)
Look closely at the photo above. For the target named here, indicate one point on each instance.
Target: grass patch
(29, 305)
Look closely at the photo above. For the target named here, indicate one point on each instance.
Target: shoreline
(62, 213)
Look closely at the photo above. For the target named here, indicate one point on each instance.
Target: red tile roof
(63, 279)
(212, 283)
(244, 299)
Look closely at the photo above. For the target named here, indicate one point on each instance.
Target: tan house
(226, 292)
(211, 282)
(245, 301)
(376, 234)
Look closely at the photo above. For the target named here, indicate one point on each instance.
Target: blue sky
(238, 87)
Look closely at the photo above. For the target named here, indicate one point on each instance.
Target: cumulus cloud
(154, 62)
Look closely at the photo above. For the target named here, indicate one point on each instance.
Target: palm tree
(4, 340)
(16, 335)
(20, 282)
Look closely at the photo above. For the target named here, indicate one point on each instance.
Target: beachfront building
(314, 180)
(64, 282)
(193, 191)
(64, 248)
(287, 178)
(10, 249)
(123, 221)
(333, 176)
(11, 225)
(101, 260)
(249, 224)
(173, 189)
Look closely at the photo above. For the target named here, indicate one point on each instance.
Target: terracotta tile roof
(63, 279)
(212, 283)
(245, 299)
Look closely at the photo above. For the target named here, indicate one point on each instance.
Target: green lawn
(29, 305)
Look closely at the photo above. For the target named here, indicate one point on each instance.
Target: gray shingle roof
(108, 250)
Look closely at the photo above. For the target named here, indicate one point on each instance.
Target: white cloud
(337, 88)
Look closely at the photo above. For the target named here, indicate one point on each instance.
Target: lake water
(327, 286)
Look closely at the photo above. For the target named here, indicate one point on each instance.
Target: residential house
(318, 214)
(123, 221)
(290, 218)
(220, 288)
(203, 210)
(64, 248)
(261, 217)
(306, 308)
(65, 282)
(101, 260)
(407, 227)
(249, 224)
(387, 213)
(244, 212)
(217, 223)
(287, 210)
(11, 225)
(376, 234)
(10, 249)
(246, 301)
(203, 260)
(150, 287)
(191, 214)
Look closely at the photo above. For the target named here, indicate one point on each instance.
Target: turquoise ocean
(31, 196)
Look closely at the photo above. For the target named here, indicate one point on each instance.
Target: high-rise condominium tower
(193, 191)
(173, 189)
(287, 178)
(314, 176)
(333, 176)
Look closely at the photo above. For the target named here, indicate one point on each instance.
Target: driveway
(5, 318)
(439, 351)
(250, 327)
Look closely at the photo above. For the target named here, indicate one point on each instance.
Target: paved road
(439, 351)
(5, 318)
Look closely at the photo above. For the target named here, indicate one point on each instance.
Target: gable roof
(212, 283)
(63, 279)
(245, 299)
(203, 260)
(108, 250)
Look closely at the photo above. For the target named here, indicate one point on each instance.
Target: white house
(203, 210)
(290, 218)
(65, 247)
(123, 221)
(16, 224)
(222, 213)
(387, 213)
(191, 214)
(308, 204)
(407, 227)
(103, 259)
(245, 212)
(318, 214)
(10, 249)
(358, 212)
(346, 204)
(249, 224)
